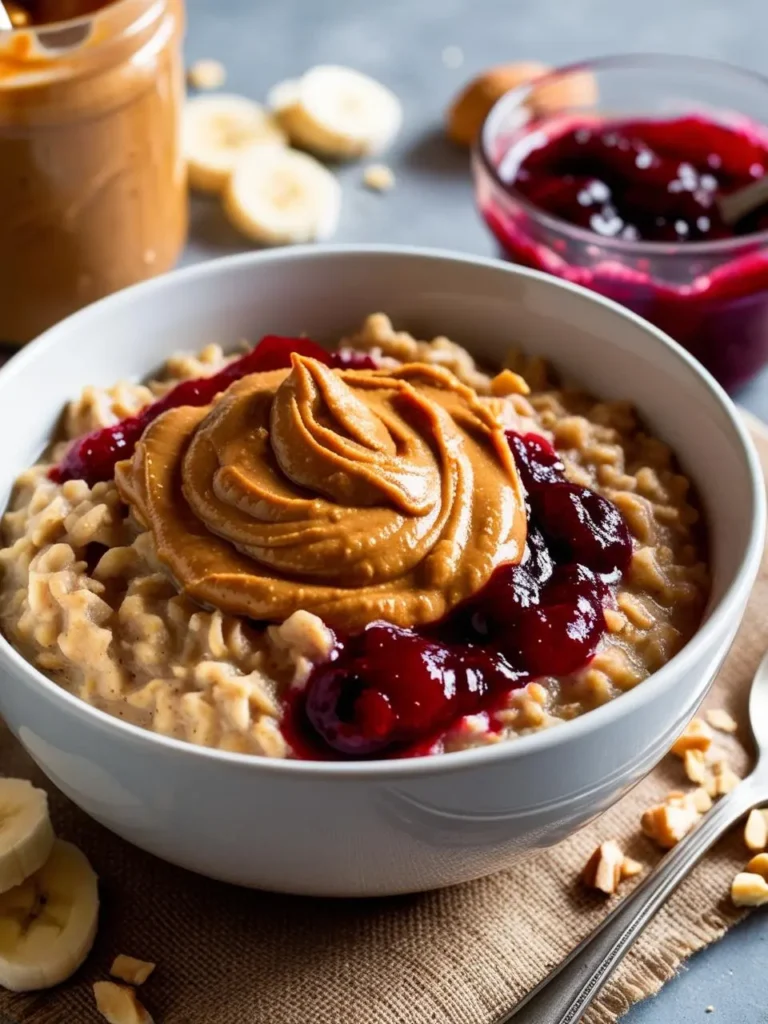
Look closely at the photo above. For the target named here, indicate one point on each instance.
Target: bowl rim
(382, 769)
(739, 245)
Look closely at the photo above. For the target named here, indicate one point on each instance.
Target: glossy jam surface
(655, 181)
(93, 458)
(631, 182)
(394, 691)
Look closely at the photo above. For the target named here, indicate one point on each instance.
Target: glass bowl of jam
(611, 174)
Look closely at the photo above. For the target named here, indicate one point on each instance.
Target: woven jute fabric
(458, 956)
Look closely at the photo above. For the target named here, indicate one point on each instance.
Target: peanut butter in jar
(92, 180)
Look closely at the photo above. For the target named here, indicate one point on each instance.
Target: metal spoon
(564, 996)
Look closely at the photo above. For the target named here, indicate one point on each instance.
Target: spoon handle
(566, 994)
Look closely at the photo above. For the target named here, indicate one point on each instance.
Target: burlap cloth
(459, 956)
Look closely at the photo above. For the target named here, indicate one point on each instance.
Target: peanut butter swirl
(357, 495)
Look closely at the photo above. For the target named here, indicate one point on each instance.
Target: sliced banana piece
(217, 129)
(26, 834)
(48, 923)
(283, 95)
(280, 197)
(337, 112)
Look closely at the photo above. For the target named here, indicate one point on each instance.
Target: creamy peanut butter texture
(93, 190)
(356, 495)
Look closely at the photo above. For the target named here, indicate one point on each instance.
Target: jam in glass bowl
(609, 175)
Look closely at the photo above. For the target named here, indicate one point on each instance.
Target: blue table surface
(402, 42)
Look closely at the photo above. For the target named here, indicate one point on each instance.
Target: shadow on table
(432, 153)
(210, 229)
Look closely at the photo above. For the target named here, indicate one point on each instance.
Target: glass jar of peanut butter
(92, 180)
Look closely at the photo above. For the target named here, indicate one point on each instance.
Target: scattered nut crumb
(695, 766)
(668, 823)
(709, 1009)
(748, 890)
(725, 779)
(128, 968)
(759, 865)
(701, 800)
(677, 798)
(697, 736)
(471, 107)
(603, 869)
(379, 177)
(118, 1004)
(509, 383)
(756, 830)
(453, 56)
(630, 868)
(207, 74)
(719, 719)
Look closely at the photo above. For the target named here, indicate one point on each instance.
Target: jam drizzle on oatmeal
(396, 691)
(93, 457)
(391, 690)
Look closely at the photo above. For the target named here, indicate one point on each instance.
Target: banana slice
(337, 112)
(283, 95)
(280, 196)
(216, 130)
(26, 835)
(48, 923)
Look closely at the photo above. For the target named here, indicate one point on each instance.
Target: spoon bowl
(566, 994)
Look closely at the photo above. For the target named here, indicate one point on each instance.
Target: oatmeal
(340, 506)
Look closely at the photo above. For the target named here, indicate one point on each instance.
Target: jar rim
(42, 54)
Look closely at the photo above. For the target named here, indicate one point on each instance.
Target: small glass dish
(711, 296)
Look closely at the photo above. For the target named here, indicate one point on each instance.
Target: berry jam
(632, 182)
(652, 181)
(93, 457)
(395, 691)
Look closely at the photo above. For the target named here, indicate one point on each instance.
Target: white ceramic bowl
(388, 826)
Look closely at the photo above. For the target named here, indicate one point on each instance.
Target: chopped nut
(697, 736)
(748, 890)
(701, 800)
(759, 865)
(709, 1009)
(630, 868)
(379, 177)
(207, 74)
(677, 798)
(509, 383)
(128, 968)
(603, 869)
(725, 778)
(472, 105)
(118, 1004)
(719, 719)
(668, 823)
(695, 765)
(756, 830)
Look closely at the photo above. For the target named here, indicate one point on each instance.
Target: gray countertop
(402, 42)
